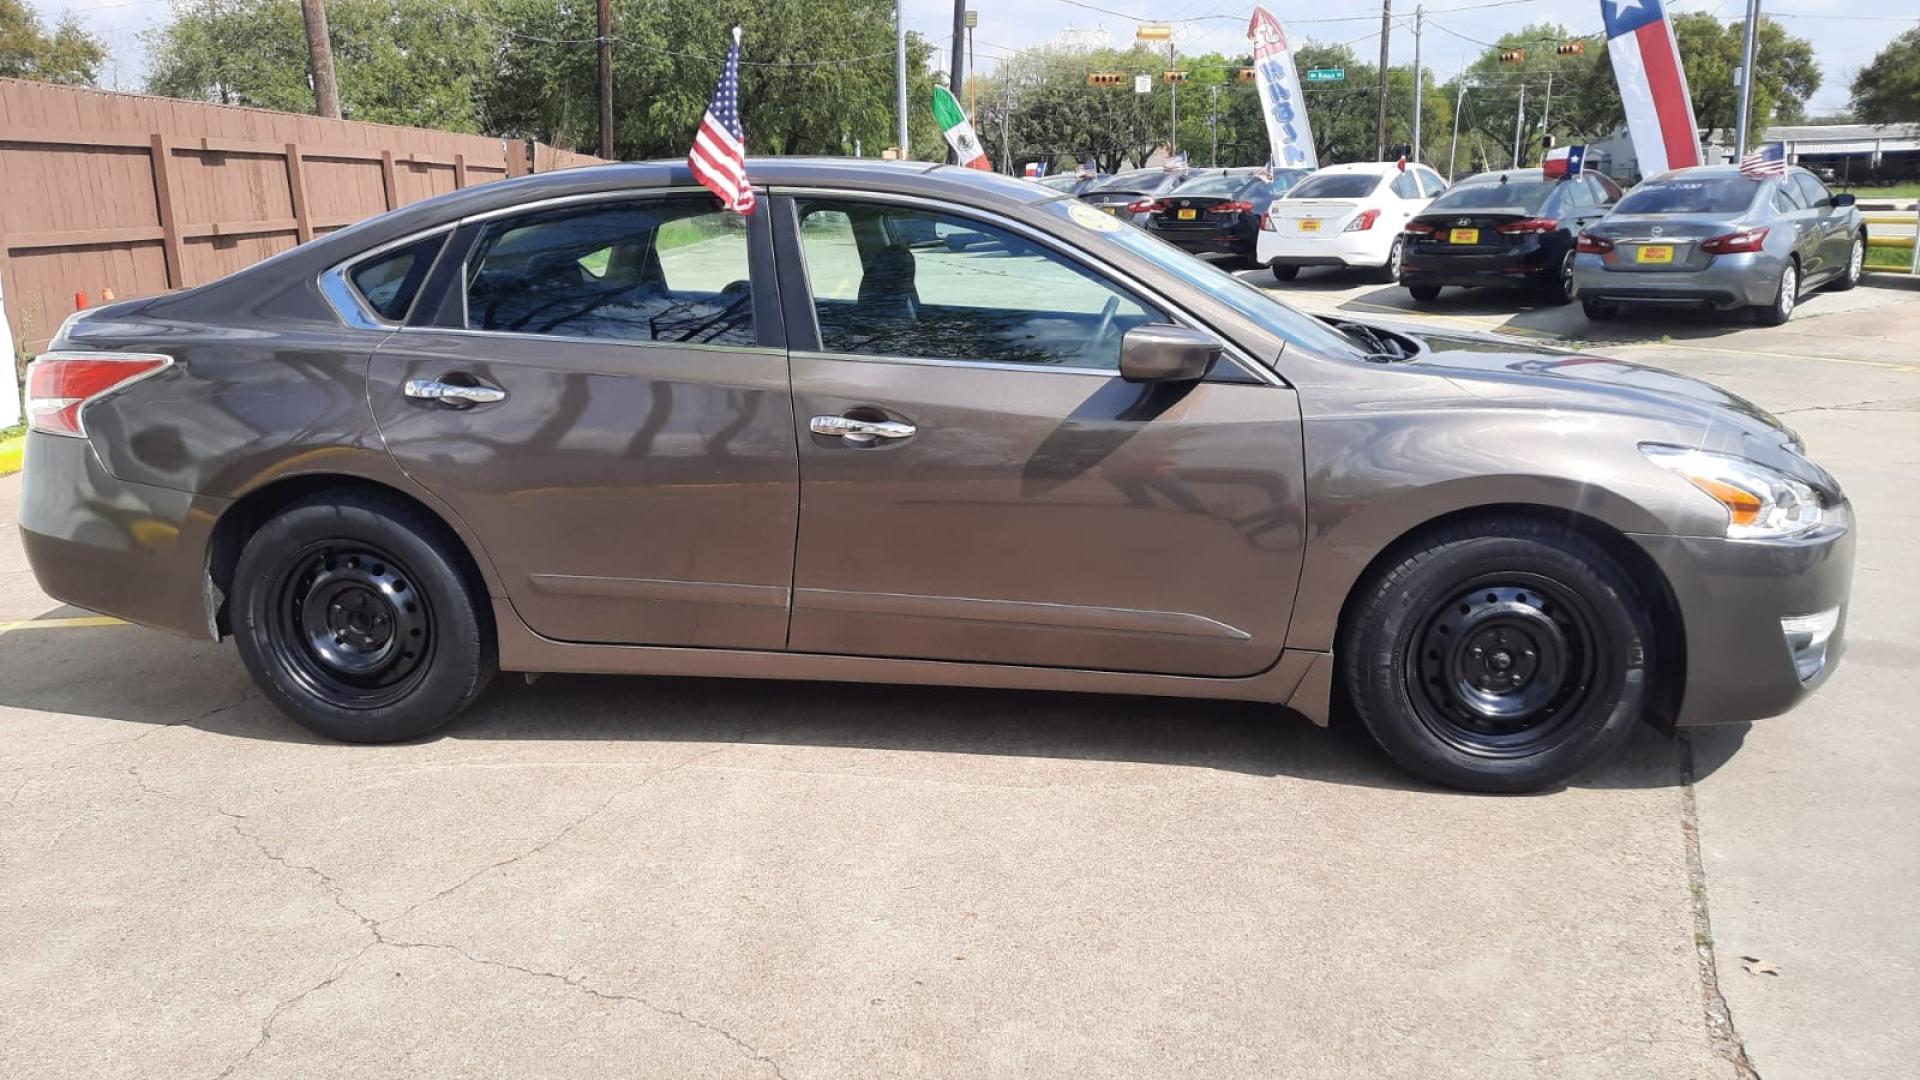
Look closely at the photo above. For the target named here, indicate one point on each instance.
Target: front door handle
(452, 393)
(860, 431)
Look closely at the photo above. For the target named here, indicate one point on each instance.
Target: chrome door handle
(435, 390)
(860, 430)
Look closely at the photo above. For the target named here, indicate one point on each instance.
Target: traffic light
(1173, 76)
(1104, 78)
(1513, 56)
(1245, 75)
(1571, 48)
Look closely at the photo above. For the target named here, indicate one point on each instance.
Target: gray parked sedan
(1708, 236)
(913, 424)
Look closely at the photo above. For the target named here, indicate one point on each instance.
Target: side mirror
(1844, 199)
(1159, 352)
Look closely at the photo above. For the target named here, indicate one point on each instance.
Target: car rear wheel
(355, 615)
(1856, 265)
(1424, 293)
(1391, 271)
(1560, 289)
(1599, 311)
(1499, 655)
(1783, 304)
(1283, 273)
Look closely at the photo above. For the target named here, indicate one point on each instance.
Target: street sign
(1143, 84)
(1326, 74)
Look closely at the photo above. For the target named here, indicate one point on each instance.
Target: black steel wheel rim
(349, 624)
(1506, 666)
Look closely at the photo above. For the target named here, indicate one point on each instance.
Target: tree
(421, 63)
(1887, 91)
(69, 55)
(1785, 74)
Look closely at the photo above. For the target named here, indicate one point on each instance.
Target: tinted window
(1575, 193)
(1812, 191)
(1287, 180)
(1718, 195)
(388, 283)
(1214, 186)
(1406, 186)
(1528, 195)
(897, 281)
(1335, 186)
(670, 269)
(1063, 182)
(1431, 182)
(1609, 191)
(1139, 180)
(1786, 200)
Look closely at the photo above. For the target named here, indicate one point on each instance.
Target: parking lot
(677, 877)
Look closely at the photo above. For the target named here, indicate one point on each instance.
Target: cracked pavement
(599, 876)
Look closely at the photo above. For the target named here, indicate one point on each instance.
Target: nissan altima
(913, 424)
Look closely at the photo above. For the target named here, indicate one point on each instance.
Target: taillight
(1146, 206)
(1364, 221)
(1593, 245)
(1267, 225)
(61, 384)
(1735, 243)
(1529, 227)
(1419, 228)
(1234, 208)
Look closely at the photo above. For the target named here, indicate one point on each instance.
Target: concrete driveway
(688, 878)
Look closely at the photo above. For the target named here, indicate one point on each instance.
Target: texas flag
(1564, 161)
(1653, 86)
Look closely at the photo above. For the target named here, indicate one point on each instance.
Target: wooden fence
(102, 191)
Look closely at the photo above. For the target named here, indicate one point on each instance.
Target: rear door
(978, 484)
(599, 389)
(1832, 244)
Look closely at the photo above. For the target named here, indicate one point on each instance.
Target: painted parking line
(78, 622)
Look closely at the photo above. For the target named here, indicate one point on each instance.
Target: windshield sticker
(1083, 214)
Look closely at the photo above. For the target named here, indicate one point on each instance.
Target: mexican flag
(958, 130)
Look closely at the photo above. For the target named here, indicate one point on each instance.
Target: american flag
(719, 156)
(1769, 160)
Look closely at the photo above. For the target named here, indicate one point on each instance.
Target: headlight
(1761, 503)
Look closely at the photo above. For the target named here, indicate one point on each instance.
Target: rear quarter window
(388, 283)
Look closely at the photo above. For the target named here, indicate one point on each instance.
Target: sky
(1845, 33)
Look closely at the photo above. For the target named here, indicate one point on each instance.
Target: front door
(600, 390)
(977, 482)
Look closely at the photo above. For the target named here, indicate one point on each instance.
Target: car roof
(1491, 175)
(1708, 172)
(1376, 168)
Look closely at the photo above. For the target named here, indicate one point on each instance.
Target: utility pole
(900, 75)
(1006, 112)
(1747, 48)
(326, 89)
(957, 74)
(1380, 115)
(1459, 102)
(1519, 117)
(1419, 24)
(973, 92)
(1213, 127)
(606, 79)
(1173, 63)
(1547, 110)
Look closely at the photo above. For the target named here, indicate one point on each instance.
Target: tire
(379, 575)
(1560, 290)
(1783, 305)
(1390, 272)
(1856, 265)
(1425, 294)
(1599, 311)
(1498, 655)
(1283, 273)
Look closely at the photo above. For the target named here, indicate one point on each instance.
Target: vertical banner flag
(1653, 85)
(958, 130)
(719, 154)
(1281, 102)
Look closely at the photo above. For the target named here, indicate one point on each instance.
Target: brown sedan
(913, 424)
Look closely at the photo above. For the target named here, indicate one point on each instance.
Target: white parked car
(1346, 215)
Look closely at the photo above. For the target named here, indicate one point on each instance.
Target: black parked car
(1127, 195)
(1220, 213)
(1507, 228)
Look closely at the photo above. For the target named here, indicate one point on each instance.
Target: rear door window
(1406, 186)
(1812, 192)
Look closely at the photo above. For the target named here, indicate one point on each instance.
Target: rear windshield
(1721, 195)
(1214, 185)
(1063, 182)
(1141, 180)
(1528, 195)
(1335, 186)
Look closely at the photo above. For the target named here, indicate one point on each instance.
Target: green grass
(13, 442)
(1889, 258)
(1890, 191)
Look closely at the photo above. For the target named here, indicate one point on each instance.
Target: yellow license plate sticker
(1114, 210)
(1309, 224)
(1189, 215)
(1654, 253)
(1464, 236)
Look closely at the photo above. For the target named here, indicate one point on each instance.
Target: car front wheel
(356, 616)
(1498, 655)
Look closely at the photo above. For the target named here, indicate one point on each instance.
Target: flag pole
(1746, 82)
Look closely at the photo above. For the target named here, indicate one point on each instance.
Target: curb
(11, 450)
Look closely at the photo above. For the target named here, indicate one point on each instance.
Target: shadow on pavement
(143, 677)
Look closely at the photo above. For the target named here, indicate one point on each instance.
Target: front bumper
(1746, 280)
(1731, 596)
(134, 551)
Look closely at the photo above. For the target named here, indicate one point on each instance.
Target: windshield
(1268, 312)
(1528, 195)
(1214, 185)
(1719, 195)
(1335, 186)
(1139, 181)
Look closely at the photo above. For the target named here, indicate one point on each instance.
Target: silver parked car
(1708, 236)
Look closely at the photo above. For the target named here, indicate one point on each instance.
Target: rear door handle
(860, 431)
(453, 393)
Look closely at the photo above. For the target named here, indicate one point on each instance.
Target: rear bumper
(1338, 249)
(1523, 265)
(129, 550)
(1204, 242)
(1732, 595)
(1732, 281)
(1512, 277)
